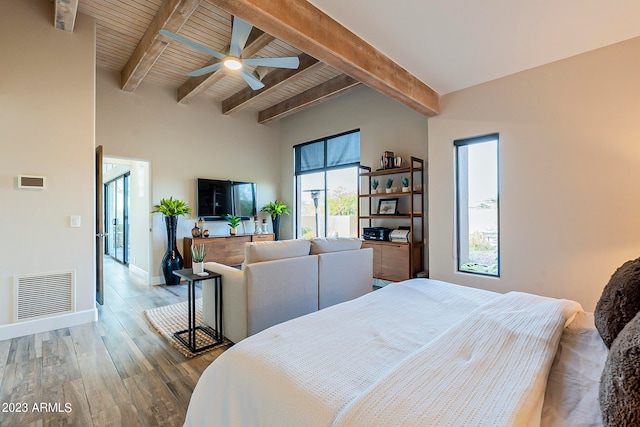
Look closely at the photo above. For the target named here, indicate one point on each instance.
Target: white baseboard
(157, 280)
(19, 329)
(139, 272)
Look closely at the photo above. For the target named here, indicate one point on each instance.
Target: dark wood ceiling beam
(321, 93)
(171, 15)
(196, 86)
(307, 28)
(65, 14)
(272, 82)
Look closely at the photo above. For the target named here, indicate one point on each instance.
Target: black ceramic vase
(276, 226)
(172, 259)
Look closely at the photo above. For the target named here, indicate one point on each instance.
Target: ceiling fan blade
(286, 62)
(251, 80)
(205, 70)
(239, 35)
(191, 44)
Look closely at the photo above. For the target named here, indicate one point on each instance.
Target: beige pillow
(321, 245)
(269, 251)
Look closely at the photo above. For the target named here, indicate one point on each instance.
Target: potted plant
(389, 184)
(234, 221)
(171, 209)
(405, 184)
(275, 209)
(374, 186)
(197, 255)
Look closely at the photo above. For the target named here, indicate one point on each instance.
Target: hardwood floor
(115, 372)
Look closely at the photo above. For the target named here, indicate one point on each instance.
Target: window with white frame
(326, 173)
(477, 204)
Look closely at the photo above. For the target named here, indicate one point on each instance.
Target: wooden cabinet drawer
(390, 260)
(262, 237)
(394, 262)
(233, 251)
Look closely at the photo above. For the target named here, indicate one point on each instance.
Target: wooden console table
(228, 250)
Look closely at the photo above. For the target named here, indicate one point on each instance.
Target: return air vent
(43, 295)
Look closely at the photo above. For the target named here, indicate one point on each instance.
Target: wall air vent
(43, 295)
(32, 182)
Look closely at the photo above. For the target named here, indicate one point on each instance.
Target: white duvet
(398, 355)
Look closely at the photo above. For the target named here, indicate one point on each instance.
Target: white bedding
(306, 371)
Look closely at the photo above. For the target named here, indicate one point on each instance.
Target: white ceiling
(454, 44)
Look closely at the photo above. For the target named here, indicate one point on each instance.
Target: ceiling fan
(233, 61)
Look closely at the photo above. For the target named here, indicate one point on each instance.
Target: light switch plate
(74, 221)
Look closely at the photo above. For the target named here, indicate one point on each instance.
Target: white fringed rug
(170, 318)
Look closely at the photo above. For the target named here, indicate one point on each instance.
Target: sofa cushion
(619, 392)
(270, 251)
(320, 245)
(620, 301)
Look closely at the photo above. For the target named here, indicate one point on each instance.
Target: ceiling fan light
(233, 63)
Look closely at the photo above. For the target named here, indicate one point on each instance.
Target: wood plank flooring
(115, 372)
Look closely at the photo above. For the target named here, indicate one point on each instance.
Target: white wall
(182, 143)
(570, 191)
(46, 128)
(384, 125)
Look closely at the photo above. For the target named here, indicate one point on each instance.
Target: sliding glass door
(117, 218)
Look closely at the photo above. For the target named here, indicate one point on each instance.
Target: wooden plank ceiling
(332, 59)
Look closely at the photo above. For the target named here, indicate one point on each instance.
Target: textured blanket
(333, 365)
(489, 369)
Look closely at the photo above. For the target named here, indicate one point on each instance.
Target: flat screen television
(218, 198)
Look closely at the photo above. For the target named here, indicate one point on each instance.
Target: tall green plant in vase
(275, 209)
(171, 209)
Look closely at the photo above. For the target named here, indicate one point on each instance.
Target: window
(477, 202)
(326, 174)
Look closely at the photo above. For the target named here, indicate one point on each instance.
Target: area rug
(170, 318)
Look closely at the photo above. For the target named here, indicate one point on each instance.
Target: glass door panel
(117, 218)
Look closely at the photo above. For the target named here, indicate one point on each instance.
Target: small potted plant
(374, 186)
(234, 221)
(197, 255)
(405, 184)
(389, 184)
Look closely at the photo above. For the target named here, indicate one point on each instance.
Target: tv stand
(228, 250)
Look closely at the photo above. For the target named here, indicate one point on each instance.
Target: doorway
(116, 206)
(126, 190)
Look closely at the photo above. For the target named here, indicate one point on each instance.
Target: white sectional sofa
(286, 279)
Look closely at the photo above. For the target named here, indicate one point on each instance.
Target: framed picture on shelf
(388, 206)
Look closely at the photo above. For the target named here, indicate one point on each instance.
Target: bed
(419, 352)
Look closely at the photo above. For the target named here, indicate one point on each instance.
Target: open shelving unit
(395, 261)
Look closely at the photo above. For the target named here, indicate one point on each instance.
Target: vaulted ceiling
(333, 60)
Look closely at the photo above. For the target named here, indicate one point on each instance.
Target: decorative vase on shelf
(195, 231)
(201, 226)
(172, 259)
